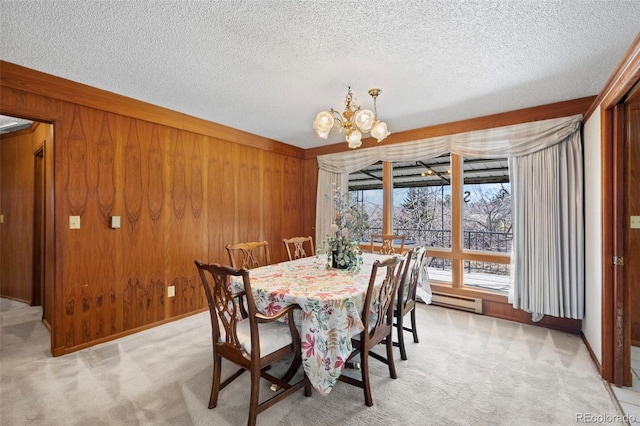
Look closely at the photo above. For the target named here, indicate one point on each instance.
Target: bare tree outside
(487, 217)
(424, 216)
(423, 213)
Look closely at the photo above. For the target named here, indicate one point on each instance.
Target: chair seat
(377, 314)
(277, 339)
(273, 336)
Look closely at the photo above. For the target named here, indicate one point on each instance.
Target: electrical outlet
(171, 291)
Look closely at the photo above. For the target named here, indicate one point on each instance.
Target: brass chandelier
(354, 121)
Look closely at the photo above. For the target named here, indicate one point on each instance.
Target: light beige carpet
(467, 370)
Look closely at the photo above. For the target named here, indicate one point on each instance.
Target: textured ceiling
(267, 67)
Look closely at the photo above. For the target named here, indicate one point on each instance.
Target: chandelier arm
(336, 115)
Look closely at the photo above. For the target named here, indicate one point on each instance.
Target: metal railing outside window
(498, 242)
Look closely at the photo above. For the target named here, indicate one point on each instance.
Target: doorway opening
(25, 227)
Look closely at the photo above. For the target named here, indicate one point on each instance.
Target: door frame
(614, 306)
(49, 237)
(38, 288)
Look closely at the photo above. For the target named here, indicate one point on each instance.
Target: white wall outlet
(74, 222)
(115, 222)
(635, 222)
(171, 291)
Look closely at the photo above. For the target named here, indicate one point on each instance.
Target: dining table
(331, 302)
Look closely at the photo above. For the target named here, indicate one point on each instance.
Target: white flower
(340, 250)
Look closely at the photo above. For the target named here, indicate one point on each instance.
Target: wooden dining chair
(406, 299)
(297, 244)
(248, 338)
(387, 242)
(378, 320)
(249, 255)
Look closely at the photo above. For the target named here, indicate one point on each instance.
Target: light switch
(115, 222)
(74, 222)
(635, 222)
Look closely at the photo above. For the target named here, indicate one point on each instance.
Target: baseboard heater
(469, 304)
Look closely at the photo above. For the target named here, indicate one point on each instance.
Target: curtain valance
(506, 141)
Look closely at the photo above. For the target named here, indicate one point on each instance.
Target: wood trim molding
(32, 81)
(67, 350)
(624, 77)
(387, 197)
(32, 128)
(626, 74)
(497, 306)
(526, 115)
(618, 194)
(607, 245)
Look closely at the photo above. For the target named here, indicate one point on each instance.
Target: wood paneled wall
(183, 188)
(181, 195)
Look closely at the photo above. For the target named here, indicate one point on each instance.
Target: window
(486, 222)
(458, 207)
(422, 201)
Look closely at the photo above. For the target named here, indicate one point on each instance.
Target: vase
(334, 261)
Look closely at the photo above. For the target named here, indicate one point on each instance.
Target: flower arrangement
(342, 252)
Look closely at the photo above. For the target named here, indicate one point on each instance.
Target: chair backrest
(297, 243)
(411, 275)
(249, 255)
(382, 310)
(225, 307)
(387, 242)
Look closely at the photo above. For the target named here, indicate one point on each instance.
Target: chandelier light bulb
(323, 124)
(355, 144)
(354, 139)
(365, 120)
(380, 131)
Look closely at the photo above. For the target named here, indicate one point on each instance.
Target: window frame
(457, 253)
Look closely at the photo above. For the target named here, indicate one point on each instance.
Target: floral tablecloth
(331, 301)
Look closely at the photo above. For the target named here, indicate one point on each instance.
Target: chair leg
(307, 386)
(390, 361)
(293, 369)
(366, 385)
(413, 326)
(215, 381)
(254, 398)
(400, 327)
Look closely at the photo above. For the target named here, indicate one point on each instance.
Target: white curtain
(510, 141)
(548, 231)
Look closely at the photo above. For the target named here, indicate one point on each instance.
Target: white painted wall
(592, 322)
